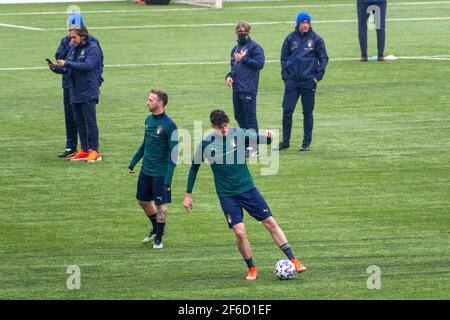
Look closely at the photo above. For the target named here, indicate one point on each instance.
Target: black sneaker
(67, 153)
(304, 147)
(281, 146)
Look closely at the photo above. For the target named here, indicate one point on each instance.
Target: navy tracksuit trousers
(292, 93)
(86, 120)
(245, 110)
(362, 26)
(71, 126)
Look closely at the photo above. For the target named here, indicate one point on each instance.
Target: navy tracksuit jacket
(245, 75)
(303, 59)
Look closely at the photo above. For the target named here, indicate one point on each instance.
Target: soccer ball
(285, 269)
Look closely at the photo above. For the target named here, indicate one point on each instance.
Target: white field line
(209, 25)
(20, 27)
(171, 64)
(228, 24)
(423, 3)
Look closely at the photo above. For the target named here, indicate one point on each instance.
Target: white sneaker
(158, 244)
(149, 237)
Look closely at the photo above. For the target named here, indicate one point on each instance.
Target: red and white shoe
(252, 274)
(93, 156)
(80, 155)
(298, 266)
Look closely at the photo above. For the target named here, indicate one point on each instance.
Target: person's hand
(52, 66)
(61, 62)
(187, 202)
(130, 171)
(229, 81)
(238, 56)
(270, 134)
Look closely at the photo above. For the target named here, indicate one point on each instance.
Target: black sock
(286, 248)
(152, 219)
(249, 262)
(160, 230)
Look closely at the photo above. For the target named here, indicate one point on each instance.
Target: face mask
(243, 38)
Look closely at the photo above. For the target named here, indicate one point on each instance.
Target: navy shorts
(152, 189)
(252, 201)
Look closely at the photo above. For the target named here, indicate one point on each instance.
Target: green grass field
(374, 190)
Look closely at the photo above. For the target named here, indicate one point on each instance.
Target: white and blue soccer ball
(285, 269)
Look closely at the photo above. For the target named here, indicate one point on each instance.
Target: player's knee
(270, 224)
(240, 233)
(161, 215)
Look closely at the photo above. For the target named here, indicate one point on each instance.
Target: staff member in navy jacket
(247, 59)
(362, 7)
(83, 65)
(303, 62)
(74, 21)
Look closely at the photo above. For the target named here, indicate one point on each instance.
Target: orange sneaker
(252, 274)
(298, 266)
(80, 155)
(93, 156)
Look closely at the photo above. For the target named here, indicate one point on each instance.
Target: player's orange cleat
(80, 155)
(93, 156)
(252, 274)
(298, 266)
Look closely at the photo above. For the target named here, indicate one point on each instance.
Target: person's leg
(253, 202)
(242, 241)
(71, 126)
(150, 211)
(290, 99)
(245, 250)
(145, 198)
(281, 241)
(275, 231)
(250, 112)
(308, 100)
(362, 26)
(234, 216)
(81, 124)
(381, 33)
(239, 110)
(161, 219)
(90, 114)
(162, 198)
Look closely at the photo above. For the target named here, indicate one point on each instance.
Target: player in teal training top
(225, 152)
(159, 151)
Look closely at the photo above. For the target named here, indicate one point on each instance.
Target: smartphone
(49, 61)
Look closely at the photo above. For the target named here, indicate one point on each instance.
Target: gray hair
(243, 24)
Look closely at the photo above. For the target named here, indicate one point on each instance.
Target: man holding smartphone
(84, 66)
(74, 21)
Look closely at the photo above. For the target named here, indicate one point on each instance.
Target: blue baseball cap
(303, 16)
(75, 21)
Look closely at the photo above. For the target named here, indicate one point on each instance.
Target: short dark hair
(218, 118)
(82, 32)
(162, 96)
